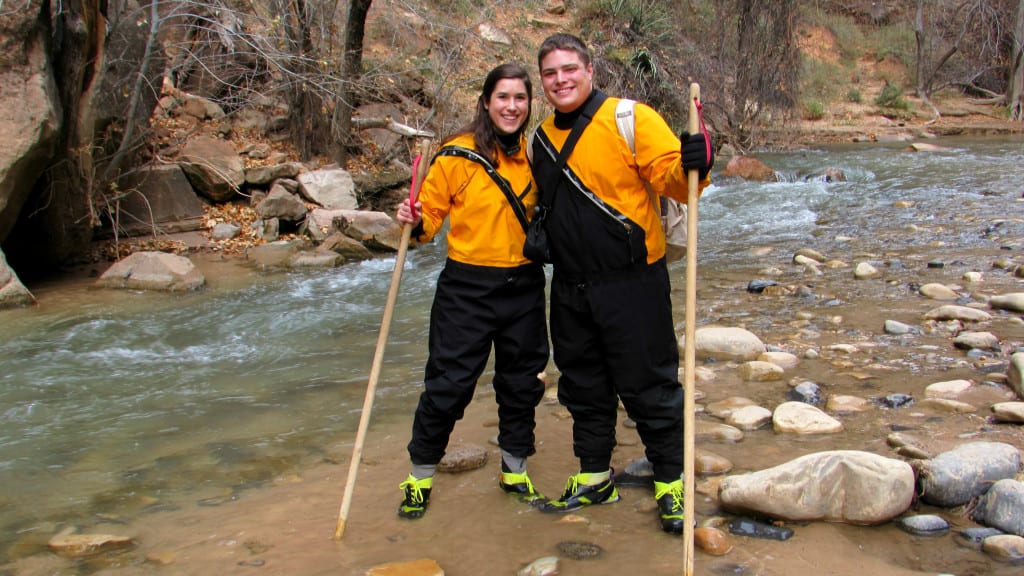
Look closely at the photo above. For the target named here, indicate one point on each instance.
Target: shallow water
(115, 406)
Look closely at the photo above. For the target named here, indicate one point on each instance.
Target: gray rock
(1002, 507)
(924, 525)
(953, 478)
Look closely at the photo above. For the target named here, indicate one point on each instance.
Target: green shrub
(813, 110)
(891, 96)
(853, 96)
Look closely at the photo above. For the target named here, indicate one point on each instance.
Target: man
(611, 309)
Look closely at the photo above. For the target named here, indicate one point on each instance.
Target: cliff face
(30, 111)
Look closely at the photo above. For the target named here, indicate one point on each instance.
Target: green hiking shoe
(520, 485)
(579, 493)
(417, 496)
(670, 505)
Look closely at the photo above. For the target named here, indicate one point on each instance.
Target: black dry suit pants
(474, 308)
(614, 338)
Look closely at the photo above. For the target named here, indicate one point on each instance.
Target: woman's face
(508, 105)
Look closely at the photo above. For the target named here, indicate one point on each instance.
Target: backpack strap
(506, 188)
(625, 121)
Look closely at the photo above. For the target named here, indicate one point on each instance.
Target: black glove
(695, 153)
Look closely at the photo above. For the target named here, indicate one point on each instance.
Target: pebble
(712, 540)
(973, 537)
(924, 525)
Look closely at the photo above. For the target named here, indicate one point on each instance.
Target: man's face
(567, 81)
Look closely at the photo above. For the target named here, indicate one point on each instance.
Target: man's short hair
(562, 41)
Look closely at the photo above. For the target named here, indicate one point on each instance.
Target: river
(117, 404)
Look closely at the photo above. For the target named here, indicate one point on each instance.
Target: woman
(487, 294)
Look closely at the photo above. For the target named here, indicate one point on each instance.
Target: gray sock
(421, 471)
(513, 464)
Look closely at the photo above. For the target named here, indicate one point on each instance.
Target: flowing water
(114, 403)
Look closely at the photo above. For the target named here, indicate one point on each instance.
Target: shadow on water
(116, 405)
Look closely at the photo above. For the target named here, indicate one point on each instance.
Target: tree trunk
(1015, 87)
(352, 70)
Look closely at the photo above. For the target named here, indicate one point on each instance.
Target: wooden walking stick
(419, 172)
(690, 334)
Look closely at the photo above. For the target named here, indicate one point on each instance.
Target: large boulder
(153, 271)
(214, 168)
(838, 486)
(160, 198)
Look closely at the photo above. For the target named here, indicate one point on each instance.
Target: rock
(951, 389)
(799, 418)
(1014, 372)
(329, 187)
(421, 567)
(1002, 507)
(350, 249)
(954, 477)
(924, 525)
(152, 271)
(81, 545)
(725, 343)
(710, 464)
(214, 168)
(1012, 412)
(162, 199)
(973, 537)
(757, 529)
(948, 405)
(846, 404)
(12, 291)
(977, 341)
(954, 312)
(319, 258)
(722, 408)
(749, 417)
(785, 360)
(865, 271)
(807, 392)
(749, 169)
(712, 541)
(546, 566)
(1013, 302)
(937, 291)
(579, 550)
(759, 371)
(273, 254)
(1004, 547)
(283, 205)
(463, 457)
(838, 486)
(717, 431)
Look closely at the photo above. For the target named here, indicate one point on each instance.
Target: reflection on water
(114, 402)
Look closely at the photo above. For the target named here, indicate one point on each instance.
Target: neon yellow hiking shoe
(520, 485)
(670, 505)
(580, 491)
(417, 496)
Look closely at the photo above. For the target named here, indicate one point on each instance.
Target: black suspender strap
(517, 204)
(586, 115)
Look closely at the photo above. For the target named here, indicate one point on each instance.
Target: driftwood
(389, 124)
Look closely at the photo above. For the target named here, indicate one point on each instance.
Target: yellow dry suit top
(604, 165)
(483, 228)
